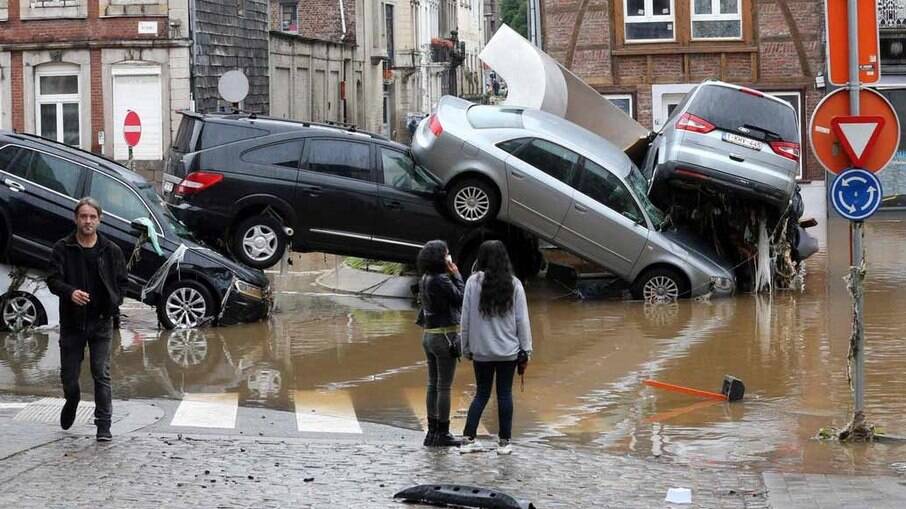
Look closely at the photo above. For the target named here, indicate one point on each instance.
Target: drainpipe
(342, 20)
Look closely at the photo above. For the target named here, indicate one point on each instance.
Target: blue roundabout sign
(856, 194)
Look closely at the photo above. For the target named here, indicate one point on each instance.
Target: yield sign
(857, 135)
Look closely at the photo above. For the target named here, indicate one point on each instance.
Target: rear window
(214, 134)
(729, 109)
(183, 139)
(494, 117)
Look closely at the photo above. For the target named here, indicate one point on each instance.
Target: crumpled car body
(28, 305)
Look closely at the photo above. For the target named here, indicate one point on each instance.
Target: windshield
(169, 222)
(640, 189)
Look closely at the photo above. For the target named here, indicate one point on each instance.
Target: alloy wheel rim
(660, 289)
(186, 308)
(472, 203)
(20, 313)
(259, 242)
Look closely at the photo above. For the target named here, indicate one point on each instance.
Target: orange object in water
(685, 390)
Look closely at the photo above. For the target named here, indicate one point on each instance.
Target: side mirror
(139, 227)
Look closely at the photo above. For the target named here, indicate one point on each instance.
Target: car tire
(185, 304)
(20, 310)
(466, 260)
(473, 201)
(660, 285)
(259, 242)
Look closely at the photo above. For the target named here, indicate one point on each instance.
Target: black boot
(432, 432)
(444, 438)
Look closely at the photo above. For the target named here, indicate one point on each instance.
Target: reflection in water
(583, 389)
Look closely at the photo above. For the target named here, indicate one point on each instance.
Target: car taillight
(196, 182)
(689, 122)
(434, 125)
(751, 91)
(786, 149)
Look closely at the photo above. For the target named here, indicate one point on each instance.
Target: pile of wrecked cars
(42, 180)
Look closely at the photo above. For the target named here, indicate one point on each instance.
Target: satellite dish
(233, 86)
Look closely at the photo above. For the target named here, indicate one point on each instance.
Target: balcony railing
(891, 14)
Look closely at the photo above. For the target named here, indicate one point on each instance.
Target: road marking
(459, 410)
(47, 410)
(325, 412)
(6, 406)
(207, 411)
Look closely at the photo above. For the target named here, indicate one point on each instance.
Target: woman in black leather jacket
(440, 291)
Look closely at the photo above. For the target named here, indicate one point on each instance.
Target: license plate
(742, 141)
(168, 187)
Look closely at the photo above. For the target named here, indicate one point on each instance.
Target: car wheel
(472, 201)
(466, 261)
(20, 311)
(258, 241)
(185, 305)
(660, 286)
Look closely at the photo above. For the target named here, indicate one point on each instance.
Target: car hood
(693, 243)
(208, 257)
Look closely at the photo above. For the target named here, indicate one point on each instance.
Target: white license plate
(168, 187)
(742, 141)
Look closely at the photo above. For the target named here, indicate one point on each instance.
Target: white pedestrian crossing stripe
(207, 411)
(325, 412)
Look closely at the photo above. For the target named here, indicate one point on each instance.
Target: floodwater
(584, 386)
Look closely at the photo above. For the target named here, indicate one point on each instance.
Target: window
(116, 198)
(7, 155)
(716, 19)
(279, 154)
(511, 146)
(289, 17)
(214, 134)
(605, 188)
(552, 159)
(184, 135)
(401, 172)
(340, 158)
(493, 117)
(54, 173)
(622, 101)
(764, 116)
(648, 20)
(58, 107)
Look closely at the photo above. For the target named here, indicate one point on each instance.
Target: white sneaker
(470, 445)
(504, 448)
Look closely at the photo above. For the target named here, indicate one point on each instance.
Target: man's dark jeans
(72, 350)
(484, 379)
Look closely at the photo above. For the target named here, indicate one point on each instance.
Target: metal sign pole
(858, 361)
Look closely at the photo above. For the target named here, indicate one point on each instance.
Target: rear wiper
(769, 134)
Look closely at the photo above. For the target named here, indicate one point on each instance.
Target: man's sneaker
(104, 434)
(470, 445)
(504, 448)
(67, 415)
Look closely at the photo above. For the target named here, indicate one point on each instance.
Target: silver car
(731, 138)
(566, 185)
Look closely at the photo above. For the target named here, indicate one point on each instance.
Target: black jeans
(484, 378)
(72, 350)
(441, 370)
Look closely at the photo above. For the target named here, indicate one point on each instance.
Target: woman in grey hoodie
(495, 328)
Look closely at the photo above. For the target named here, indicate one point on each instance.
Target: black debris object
(733, 388)
(461, 496)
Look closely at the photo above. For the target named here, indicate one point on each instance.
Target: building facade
(71, 69)
(644, 55)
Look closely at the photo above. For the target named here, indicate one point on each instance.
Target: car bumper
(203, 222)
(241, 308)
(695, 174)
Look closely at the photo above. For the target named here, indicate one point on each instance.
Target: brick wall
(97, 99)
(320, 19)
(18, 101)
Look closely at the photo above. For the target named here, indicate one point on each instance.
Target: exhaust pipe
(288, 231)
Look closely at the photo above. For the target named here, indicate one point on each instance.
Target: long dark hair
(497, 287)
(432, 258)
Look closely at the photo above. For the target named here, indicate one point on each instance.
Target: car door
(409, 215)
(604, 223)
(121, 205)
(44, 190)
(336, 196)
(538, 176)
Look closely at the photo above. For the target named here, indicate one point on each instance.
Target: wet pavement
(583, 394)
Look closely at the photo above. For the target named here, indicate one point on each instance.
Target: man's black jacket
(67, 274)
(441, 296)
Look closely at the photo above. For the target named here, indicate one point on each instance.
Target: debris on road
(461, 496)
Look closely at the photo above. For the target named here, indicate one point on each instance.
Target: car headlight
(721, 283)
(249, 290)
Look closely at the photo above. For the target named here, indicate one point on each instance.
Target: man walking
(88, 274)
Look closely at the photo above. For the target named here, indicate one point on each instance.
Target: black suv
(253, 184)
(41, 182)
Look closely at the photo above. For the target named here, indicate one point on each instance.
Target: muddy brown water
(584, 387)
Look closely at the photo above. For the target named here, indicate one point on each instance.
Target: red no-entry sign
(132, 128)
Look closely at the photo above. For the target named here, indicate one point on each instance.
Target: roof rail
(343, 126)
(63, 145)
